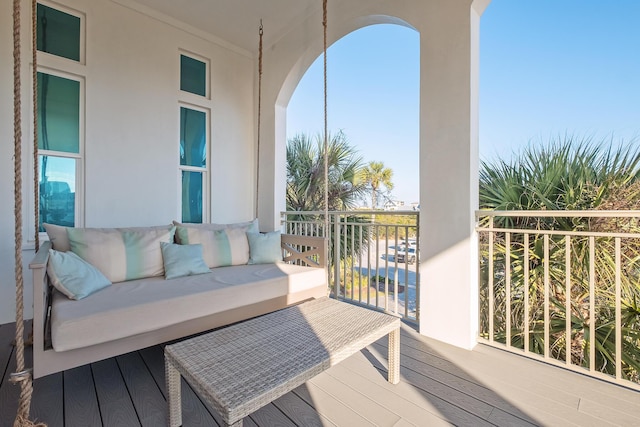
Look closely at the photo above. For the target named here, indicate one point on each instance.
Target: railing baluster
(336, 253)
(490, 284)
(592, 304)
(525, 287)
(395, 274)
(386, 268)
(507, 286)
(360, 250)
(567, 299)
(546, 296)
(418, 249)
(377, 274)
(370, 228)
(618, 321)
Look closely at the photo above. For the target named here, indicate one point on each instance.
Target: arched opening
(373, 86)
(373, 123)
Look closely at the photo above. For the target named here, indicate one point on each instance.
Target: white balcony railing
(563, 286)
(374, 256)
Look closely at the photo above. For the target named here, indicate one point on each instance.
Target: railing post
(336, 253)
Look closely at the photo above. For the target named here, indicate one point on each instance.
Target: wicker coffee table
(243, 367)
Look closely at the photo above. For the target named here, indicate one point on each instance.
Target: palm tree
(305, 173)
(377, 175)
(305, 187)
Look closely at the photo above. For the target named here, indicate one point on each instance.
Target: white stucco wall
(449, 31)
(132, 125)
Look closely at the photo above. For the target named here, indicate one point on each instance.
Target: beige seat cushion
(138, 306)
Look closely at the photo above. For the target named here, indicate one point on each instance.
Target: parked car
(407, 255)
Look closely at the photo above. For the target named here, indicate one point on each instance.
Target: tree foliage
(566, 174)
(305, 173)
(376, 176)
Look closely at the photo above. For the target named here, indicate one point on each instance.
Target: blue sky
(547, 68)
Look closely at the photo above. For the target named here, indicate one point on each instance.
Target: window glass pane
(58, 33)
(193, 75)
(191, 196)
(193, 138)
(58, 114)
(57, 190)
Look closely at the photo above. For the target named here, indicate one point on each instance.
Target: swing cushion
(73, 276)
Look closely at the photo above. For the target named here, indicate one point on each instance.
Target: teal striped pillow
(219, 247)
(122, 254)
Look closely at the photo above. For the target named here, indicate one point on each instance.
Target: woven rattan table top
(240, 368)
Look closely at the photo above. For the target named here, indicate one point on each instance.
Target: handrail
(560, 214)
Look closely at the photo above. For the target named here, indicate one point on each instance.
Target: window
(59, 148)
(58, 32)
(193, 75)
(60, 117)
(193, 162)
(194, 138)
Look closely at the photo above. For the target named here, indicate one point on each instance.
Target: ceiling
(237, 21)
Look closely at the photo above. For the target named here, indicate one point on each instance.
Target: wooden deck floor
(440, 385)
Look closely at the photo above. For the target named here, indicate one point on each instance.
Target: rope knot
(20, 377)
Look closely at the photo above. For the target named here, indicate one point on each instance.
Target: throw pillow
(182, 260)
(219, 247)
(264, 248)
(122, 254)
(57, 236)
(246, 226)
(73, 276)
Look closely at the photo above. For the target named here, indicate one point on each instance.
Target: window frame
(206, 191)
(83, 19)
(190, 96)
(79, 157)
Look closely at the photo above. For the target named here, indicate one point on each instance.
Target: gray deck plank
(362, 378)
(47, 402)
(437, 381)
(80, 401)
(147, 399)
(415, 387)
(417, 362)
(518, 379)
(300, 412)
(369, 409)
(329, 406)
(8, 392)
(113, 397)
(194, 412)
(270, 415)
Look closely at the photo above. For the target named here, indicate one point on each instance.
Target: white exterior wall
(449, 33)
(132, 126)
